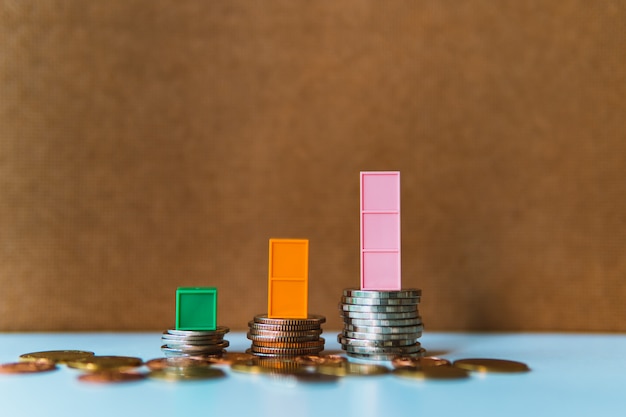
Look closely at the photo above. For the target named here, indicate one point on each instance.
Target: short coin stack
(381, 325)
(281, 338)
(194, 343)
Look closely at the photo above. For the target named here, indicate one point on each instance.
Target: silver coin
(170, 336)
(386, 350)
(379, 316)
(380, 301)
(384, 329)
(374, 343)
(377, 309)
(283, 328)
(311, 319)
(286, 339)
(176, 343)
(380, 336)
(378, 323)
(409, 293)
(193, 341)
(380, 356)
(218, 330)
(191, 348)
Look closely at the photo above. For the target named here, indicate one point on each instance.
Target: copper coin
(27, 367)
(111, 377)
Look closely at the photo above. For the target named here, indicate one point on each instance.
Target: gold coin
(187, 374)
(419, 362)
(431, 372)
(176, 362)
(105, 363)
(27, 367)
(110, 377)
(56, 356)
(352, 369)
(491, 365)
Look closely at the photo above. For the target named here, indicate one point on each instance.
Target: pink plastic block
(380, 231)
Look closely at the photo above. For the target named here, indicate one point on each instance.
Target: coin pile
(381, 325)
(194, 343)
(276, 337)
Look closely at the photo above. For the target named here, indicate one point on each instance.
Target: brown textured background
(146, 145)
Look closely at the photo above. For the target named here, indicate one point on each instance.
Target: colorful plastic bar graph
(380, 231)
(196, 308)
(288, 278)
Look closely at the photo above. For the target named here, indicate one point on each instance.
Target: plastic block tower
(288, 278)
(196, 308)
(380, 231)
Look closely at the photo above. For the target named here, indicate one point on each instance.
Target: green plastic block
(196, 308)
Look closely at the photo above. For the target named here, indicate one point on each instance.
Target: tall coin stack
(381, 325)
(283, 338)
(194, 343)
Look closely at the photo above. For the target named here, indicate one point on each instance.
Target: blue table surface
(572, 375)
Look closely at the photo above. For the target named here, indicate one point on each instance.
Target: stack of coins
(280, 338)
(381, 325)
(194, 343)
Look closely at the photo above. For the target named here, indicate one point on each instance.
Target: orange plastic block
(288, 284)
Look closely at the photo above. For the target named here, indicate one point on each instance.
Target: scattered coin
(110, 377)
(228, 358)
(30, 367)
(105, 363)
(491, 365)
(419, 362)
(187, 374)
(431, 372)
(314, 360)
(352, 369)
(56, 356)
